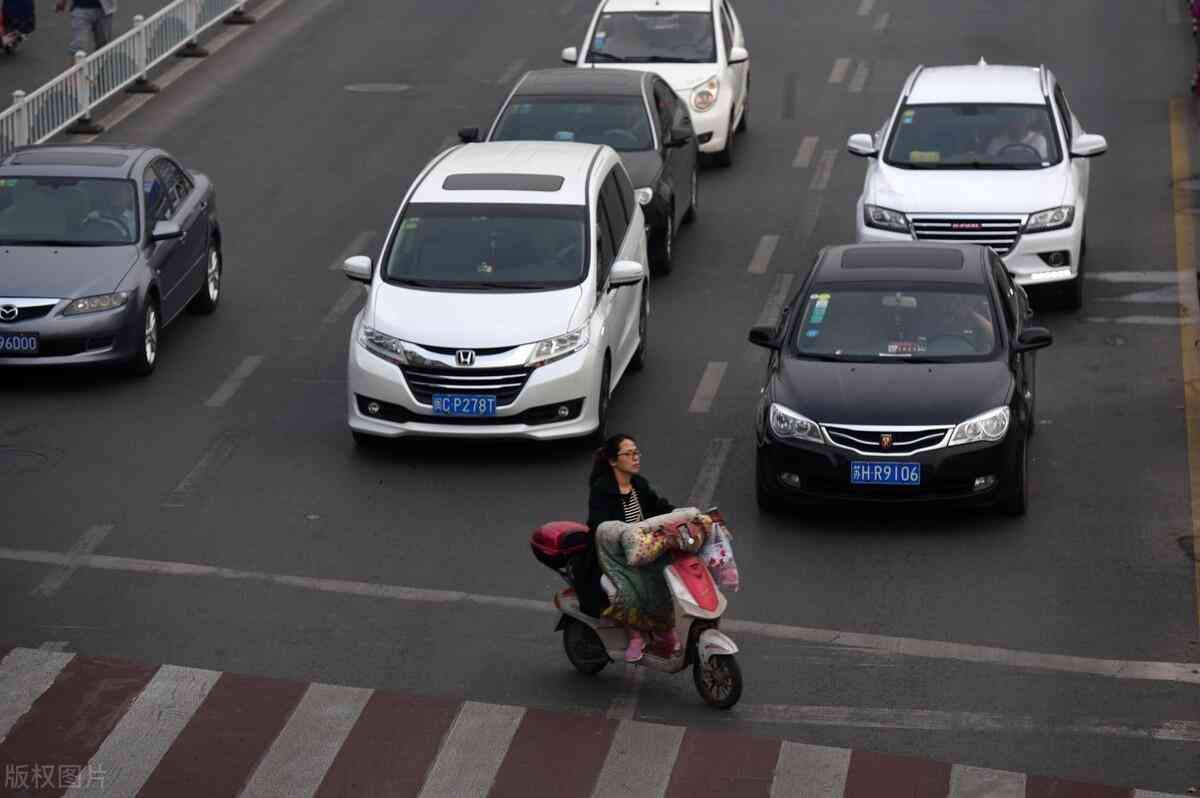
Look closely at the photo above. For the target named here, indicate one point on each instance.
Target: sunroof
(502, 182)
(68, 158)
(907, 257)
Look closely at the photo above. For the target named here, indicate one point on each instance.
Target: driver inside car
(1019, 134)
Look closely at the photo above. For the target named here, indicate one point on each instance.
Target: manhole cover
(378, 88)
(21, 461)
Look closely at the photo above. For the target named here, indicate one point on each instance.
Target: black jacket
(604, 504)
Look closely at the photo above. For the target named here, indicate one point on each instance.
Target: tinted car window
(664, 106)
(488, 246)
(876, 323)
(604, 245)
(610, 194)
(626, 191)
(619, 122)
(1064, 111)
(653, 36)
(174, 179)
(67, 211)
(974, 136)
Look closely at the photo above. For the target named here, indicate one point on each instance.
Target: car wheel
(663, 244)
(206, 301)
(146, 357)
(743, 123)
(1016, 496)
(689, 215)
(639, 356)
(1033, 397)
(725, 156)
(601, 432)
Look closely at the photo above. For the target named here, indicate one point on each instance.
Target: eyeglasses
(630, 453)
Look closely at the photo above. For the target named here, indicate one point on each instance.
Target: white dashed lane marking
(861, 73)
(214, 456)
(230, 387)
(804, 155)
(761, 260)
(87, 544)
(881, 22)
(840, 67)
(865, 7)
(706, 391)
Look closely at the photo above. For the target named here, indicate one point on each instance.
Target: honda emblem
(465, 357)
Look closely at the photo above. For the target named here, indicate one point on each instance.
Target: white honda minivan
(510, 297)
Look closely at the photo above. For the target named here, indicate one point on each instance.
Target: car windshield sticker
(564, 135)
(818, 312)
(813, 333)
(522, 108)
(598, 39)
(924, 156)
(907, 117)
(486, 268)
(7, 183)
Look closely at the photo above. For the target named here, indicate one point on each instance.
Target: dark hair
(601, 459)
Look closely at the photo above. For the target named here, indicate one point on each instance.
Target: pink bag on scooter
(717, 554)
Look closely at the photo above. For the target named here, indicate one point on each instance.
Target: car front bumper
(817, 472)
(106, 336)
(379, 385)
(711, 126)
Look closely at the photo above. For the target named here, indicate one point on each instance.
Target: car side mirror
(165, 231)
(1089, 145)
(764, 336)
(1032, 338)
(358, 267)
(738, 55)
(570, 55)
(679, 136)
(468, 135)
(862, 145)
(626, 272)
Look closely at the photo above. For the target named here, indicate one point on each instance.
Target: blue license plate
(19, 344)
(875, 473)
(464, 404)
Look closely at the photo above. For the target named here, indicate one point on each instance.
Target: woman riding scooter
(640, 599)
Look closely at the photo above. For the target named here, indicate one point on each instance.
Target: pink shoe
(635, 650)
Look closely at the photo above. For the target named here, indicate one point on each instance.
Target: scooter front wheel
(584, 647)
(719, 681)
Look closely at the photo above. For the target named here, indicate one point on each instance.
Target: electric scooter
(591, 643)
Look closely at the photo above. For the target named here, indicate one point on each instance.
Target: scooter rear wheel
(584, 648)
(719, 681)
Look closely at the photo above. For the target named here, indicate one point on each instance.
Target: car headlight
(382, 344)
(989, 426)
(558, 347)
(885, 219)
(93, 304)
(704, 96)
(787, 423)
(1050, 219)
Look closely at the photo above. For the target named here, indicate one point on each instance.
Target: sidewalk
(100, 726)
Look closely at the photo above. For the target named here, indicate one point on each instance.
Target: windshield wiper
(824, 357)
(41, 242)
(517, 286)
(594, 55)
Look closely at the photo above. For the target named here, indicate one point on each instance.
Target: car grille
(27, 313)
(900, 441)
(998, 232)
(505, 383)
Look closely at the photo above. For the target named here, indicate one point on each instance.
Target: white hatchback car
(697, 45)
(510, 297)
(989, 155)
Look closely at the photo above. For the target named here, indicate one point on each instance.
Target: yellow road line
(1189, 310)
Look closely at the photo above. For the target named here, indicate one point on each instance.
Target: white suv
(987, 154)
(697, 45)
(509, 299)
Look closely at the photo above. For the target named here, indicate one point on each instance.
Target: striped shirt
(633, 508)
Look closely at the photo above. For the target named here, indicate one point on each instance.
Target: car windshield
(67, 211)
(619, 122)
(974, 136)
(882, 323)
(480, 247)
(654, 36)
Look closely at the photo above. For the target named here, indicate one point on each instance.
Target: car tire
(1033, 399)
(662, 245)
(145, 359)
(689, 215)
(744, 122)
(639, 356)
(206, 301)
(1015, 500)
(602, 397)
(724, 158)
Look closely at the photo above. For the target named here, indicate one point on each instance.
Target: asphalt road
(270, 482)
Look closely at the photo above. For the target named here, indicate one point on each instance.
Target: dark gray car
(634, 112)
(100, 247)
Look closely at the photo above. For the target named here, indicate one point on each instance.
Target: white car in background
(698, 46)
(984, 154)
(510, 298)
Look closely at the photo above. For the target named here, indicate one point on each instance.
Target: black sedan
(634, 112)
(100, 247)
(900, 373)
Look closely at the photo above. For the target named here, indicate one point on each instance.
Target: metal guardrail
(126, 61)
